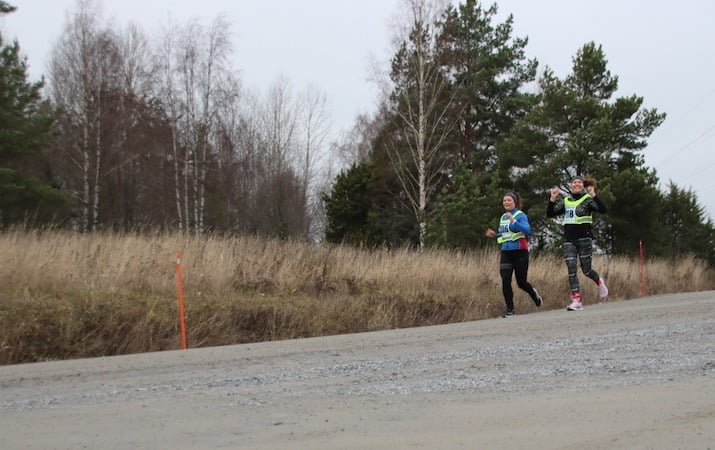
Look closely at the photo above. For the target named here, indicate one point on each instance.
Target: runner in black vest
(576, 209)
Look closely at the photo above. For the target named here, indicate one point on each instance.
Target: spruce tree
(25, 132)
(689, 230)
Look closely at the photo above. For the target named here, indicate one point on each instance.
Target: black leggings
(516, 262)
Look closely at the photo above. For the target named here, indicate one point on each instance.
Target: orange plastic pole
(642, 264)
(180, 289)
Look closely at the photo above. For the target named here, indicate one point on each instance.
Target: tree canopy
(145, 134)
(578, 128)
(508, 137)
(26, 130)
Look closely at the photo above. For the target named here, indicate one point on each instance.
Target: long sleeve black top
(572, 232)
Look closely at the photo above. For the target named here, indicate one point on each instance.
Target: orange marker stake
(180, 289)
(642, 264)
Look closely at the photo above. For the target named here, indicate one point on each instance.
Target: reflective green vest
(505, 234)
(570, 216)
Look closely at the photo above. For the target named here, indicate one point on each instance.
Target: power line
(682, 117)
(697, 172)
(686, 147)
(670, 124)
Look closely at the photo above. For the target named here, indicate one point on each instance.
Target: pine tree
(25, 131)
(489, 69)
(578, 129)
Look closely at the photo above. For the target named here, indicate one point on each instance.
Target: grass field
(67, 295)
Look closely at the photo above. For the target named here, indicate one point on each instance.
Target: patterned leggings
(582, 250)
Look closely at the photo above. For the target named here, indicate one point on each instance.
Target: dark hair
(587, 180)
(515, 196)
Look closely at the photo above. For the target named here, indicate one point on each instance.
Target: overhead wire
(682, 117)
(691, 145)
(702, 135)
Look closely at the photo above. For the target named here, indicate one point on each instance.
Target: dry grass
(65, 295)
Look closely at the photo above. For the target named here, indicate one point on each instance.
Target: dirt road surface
(624, 375)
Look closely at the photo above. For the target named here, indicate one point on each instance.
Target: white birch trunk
(421, 120)
(421, 150)
(97, 166)
(177, 176)
(85, 178)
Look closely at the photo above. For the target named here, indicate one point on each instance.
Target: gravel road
(628, 374)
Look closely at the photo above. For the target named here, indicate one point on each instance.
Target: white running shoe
(602, 289)
(575, 306)
(538, 301)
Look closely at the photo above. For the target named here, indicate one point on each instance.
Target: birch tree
(280, 193)
(354, 146)
(314, 120)
(195, 74)
(168, 94)
(225, 208)
(251, 163)
(132, 157)
(79, 70)
(420, 101)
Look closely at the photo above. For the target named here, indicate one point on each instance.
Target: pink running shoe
(602, 289)
(575, 306)
(575, 302)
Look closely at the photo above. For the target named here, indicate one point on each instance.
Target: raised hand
(555, 193)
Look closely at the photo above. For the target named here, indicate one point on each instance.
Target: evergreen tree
(635, 213)
(476, 71)
(576, 129)
(364, 206)
(489, 70)
(5, 7)
(348, 207)
(25, 131)
(689, 230)
(459, 219)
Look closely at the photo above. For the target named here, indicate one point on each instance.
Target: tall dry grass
(66, 295)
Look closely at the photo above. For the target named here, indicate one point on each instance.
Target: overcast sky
(661, 50)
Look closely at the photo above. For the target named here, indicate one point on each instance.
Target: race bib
(570, 214)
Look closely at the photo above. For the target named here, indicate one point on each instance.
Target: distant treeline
(128, 132)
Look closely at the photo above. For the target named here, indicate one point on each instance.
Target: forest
(129, 133)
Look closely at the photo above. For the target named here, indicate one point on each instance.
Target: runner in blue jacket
(512, 235)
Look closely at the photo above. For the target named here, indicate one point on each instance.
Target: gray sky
(661, 50)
